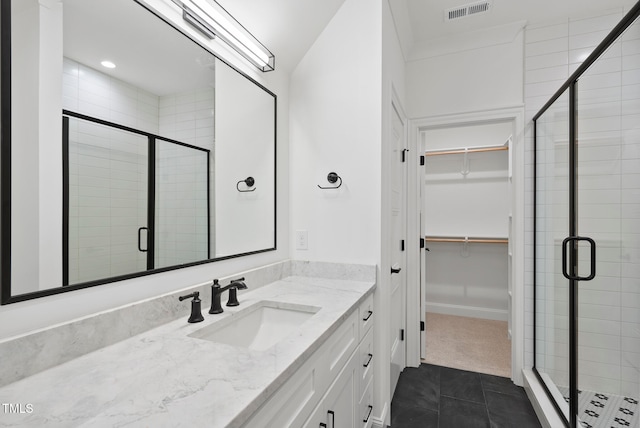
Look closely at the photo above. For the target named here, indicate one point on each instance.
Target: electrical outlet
(302, 242)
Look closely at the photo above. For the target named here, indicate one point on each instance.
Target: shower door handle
(592, 245)
(140, 229)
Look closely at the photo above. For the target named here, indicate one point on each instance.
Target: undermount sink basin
(259, 326)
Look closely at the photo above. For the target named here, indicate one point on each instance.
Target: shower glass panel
(181, 204)
(608, 153)
(552, 289)
(107, 200)
(587, 237)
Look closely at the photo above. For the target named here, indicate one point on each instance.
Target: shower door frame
(572, 276)
(151, 193)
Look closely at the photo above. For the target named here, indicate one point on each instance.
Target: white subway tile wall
(181, 201)
(609, 201)
(90, 92)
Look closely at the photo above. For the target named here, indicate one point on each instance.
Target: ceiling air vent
(466, 10)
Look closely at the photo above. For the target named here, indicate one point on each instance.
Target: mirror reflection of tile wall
(108, 174)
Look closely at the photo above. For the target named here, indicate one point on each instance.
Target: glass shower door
(107, 189)
(608, 211)
(181, 204)
(552, 288)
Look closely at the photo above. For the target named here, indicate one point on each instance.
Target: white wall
(37, 71)
(22, 317)
(341, 94)
(335, 126)
(456, 78)
(243, 148)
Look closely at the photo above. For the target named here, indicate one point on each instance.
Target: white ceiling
(289, 27)
(421, 22)
(148, 53)
(151, 55)
(427, 16)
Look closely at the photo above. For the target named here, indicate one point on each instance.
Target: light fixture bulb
(108, 64)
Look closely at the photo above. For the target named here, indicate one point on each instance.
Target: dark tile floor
(440, 397)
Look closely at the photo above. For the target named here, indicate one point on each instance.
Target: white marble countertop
(165, 378)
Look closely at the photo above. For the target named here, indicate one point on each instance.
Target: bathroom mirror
(127, 149)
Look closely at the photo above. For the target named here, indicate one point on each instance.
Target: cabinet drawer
(366, 316)
(365, 414)
(366, 362)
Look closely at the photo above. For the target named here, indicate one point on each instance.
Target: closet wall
(466, 220)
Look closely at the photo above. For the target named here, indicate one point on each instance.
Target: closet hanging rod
(468, 240)
(463, 151)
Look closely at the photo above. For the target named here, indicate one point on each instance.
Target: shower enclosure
(133, 201)
(587, 237)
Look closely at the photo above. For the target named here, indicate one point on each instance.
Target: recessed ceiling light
(108, 64)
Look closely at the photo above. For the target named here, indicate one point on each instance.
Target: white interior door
(422, 259)
(398, 255)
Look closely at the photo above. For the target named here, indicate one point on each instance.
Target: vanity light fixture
(108, 64)
(212, 20)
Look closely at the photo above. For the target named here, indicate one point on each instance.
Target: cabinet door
(342, 401)
(339, 407)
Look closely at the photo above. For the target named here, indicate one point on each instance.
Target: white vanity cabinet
(334, 387)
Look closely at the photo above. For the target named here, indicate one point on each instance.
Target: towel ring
(249, 181)
(332, 178)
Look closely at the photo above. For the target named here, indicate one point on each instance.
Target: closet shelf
(467, 239)
(462, 151)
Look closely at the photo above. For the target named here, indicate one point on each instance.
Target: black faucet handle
(196, 312)
(195, 295)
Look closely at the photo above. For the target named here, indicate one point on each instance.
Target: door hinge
(404, 152)
(402, 334)
(402, 245)
(421, 160)
(421, 325)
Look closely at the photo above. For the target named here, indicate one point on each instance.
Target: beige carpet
(472, 344)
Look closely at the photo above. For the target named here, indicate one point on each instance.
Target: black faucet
(216, 291)
(196, 314)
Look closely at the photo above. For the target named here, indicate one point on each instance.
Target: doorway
(465, 212)
(468, 199)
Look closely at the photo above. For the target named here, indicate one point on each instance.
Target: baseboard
(543, 407)
(378, 421)
(467, 311)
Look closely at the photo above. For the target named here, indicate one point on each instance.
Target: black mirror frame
(5, 174)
